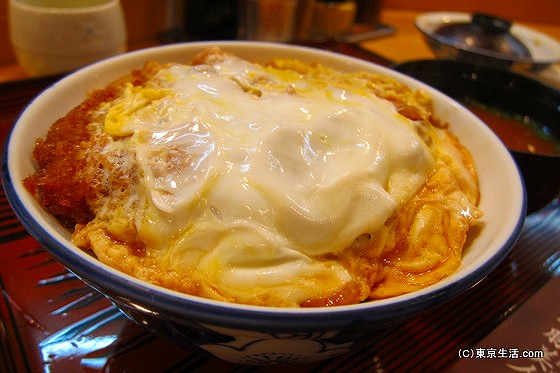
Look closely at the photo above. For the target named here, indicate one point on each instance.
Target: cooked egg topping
(250, 177)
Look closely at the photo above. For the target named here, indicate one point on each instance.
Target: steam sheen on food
(282, 184)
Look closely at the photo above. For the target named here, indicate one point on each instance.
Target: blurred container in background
(53, 37)
(368, 13)
(199, 20)
(267, 20)
(367, 24)
(304, 18)
(173, 24)
(210, 20)
(332, 18)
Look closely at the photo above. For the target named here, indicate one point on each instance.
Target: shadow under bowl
(509, 93)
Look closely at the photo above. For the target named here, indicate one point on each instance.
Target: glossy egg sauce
(272, 180)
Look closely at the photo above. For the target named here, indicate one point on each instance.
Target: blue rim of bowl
(117, 285)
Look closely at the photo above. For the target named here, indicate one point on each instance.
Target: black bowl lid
(485, 32)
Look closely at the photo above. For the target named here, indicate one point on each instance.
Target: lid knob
(490, 24)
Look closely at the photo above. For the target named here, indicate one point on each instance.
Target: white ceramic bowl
(251, 334)
(544, 49)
